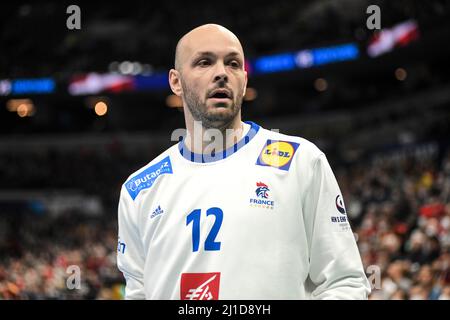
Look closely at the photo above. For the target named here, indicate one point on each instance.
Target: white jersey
(264, 219)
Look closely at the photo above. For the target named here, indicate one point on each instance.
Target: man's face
(213, 79)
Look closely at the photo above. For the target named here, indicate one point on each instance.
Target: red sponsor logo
(200, 286)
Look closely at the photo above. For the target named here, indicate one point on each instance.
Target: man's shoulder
(162, 157)
(146, 175)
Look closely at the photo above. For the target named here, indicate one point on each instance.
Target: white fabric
(293, 251)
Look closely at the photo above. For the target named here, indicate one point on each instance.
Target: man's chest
(201, 209)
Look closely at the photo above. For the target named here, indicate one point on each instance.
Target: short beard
(209, 121)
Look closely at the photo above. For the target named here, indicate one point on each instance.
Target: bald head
(210, 59)
(200, 37)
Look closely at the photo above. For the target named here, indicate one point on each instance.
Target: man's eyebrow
(211, 54)
(233, 54)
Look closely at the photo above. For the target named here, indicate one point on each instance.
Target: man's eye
(234, 64)
(203, 63)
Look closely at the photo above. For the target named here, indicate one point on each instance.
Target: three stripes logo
(157, 212)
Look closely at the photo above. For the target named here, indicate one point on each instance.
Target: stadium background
(82, 109)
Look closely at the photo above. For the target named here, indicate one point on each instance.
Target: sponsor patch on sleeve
(278, 154)
(340, 220)
(147, 178)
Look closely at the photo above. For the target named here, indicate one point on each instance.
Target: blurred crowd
(40, 253)
(42, 258)
(399, 209)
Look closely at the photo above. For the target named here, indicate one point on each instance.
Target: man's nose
(221, 74)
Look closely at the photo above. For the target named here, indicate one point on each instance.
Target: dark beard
(209, 121)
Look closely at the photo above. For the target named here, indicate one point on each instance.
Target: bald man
(209, 77)
(233, 211)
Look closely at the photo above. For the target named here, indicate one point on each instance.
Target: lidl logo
(277, 154)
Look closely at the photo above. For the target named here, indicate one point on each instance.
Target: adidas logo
(157, 212)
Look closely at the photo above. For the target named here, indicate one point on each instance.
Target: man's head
(209, 76)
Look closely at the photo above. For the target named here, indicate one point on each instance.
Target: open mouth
(220, 94)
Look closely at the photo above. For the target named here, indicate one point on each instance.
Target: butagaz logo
(134, 184)
(263, 200)
(261, 191)
(147, 178)
(277, 154)
(157, 212)
(200, 286)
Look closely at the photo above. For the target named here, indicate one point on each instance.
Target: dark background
(382, 121)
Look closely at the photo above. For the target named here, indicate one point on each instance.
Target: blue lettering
(121, 247)
(279, 153)
(261, 201)
(147, 178)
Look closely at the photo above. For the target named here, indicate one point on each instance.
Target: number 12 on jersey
(210, 243)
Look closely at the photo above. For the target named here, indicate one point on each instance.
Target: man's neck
(205, 141)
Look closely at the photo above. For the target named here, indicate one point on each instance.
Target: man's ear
(175, 82)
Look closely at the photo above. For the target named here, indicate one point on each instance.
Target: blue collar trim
(212, 157)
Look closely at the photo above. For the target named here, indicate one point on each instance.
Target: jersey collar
(205, 158)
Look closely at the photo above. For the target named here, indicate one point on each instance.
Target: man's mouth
(220, 95)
